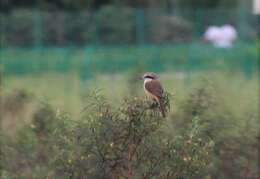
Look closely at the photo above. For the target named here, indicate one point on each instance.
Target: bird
(154, 89)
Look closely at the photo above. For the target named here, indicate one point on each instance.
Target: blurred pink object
(222, 37)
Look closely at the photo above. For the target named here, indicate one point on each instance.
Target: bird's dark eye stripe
(149, 77)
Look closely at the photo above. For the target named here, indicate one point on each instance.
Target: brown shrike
(154, 89)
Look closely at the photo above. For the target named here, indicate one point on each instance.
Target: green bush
(112, 24)
(18, 29)
(27, 27)
(170, 29)
(131, 141)
(115, 25)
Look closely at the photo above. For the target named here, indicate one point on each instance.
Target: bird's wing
(155, 88)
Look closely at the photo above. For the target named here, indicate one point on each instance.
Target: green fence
(121, 39)
(90, 60)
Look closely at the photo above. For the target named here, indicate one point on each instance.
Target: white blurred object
(222, 37)
(256, 7)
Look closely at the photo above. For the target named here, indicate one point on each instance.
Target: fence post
(37, 26)
(198, 22)
(242, 22)
(88, 67)
(97, 30)
(2, 31)
(258, 44)
(140, 35)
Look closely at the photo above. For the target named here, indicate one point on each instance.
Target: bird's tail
(162, 108)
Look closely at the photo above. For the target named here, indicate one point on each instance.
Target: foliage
(117, 25)
(51, 28)
(171, 29)
(208, 4)
(15, 102)
(127, 142)
(20, 22)
(234, 151)
(78, 4)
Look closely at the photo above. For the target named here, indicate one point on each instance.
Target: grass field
(235, 91)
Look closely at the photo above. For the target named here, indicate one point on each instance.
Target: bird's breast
(149, 94)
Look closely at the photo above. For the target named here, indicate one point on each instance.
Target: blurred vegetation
(78, 4)
(205, 135)
(209, 4)
(113, 25)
